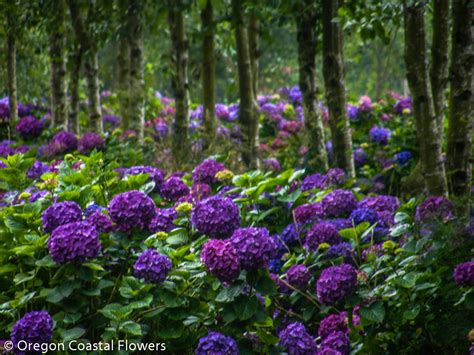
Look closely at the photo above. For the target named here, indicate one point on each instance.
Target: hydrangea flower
(298, 276)
(63, 142)
(206, 172)
(36, 170)
(403, 105)
(59, 214)
(435, 208)
(402, 158)
(255, 247)
(308, 213)
(336, 283)
(337, 341)
(90, 141)
(464, 274)
(352, 111)
(174, 188)
(155, 174)
(360, 215)
(216, 343)
(74, 242)
(314, 181)
(379, 135)
(338, 203)
(29, 127)
(152, 267)
(132, 209)
(221, 259)
(380, 203)
(272, 164)
(100, 221)
(216, 216)
(335, 177)
(34, 327)
(333, 323)
(343, 249)
(322, 232)
(296, 340)
(289, 235)
(360, 157)
(163, 220)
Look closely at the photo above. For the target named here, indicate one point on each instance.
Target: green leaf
(245, 307)
(412, 313)
(131, 328)
(5, 269)
(71, 334)
(375, 312)
(228, 294)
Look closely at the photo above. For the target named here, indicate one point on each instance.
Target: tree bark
(123, 68)
(137, 75)
(179, 42)
(461, 106)
(429, 141)
(208, 76)
(333, 72)
(57, 43)
(74, 79)
(248, 118)
(11, 70)
(254, 48)
(439, 60)
(306, 19)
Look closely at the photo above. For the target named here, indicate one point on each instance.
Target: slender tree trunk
(439, 60)
(254, 48)
(461, 106)
(11, 70)
(179, 42)
(74, 79)
(333, 72)
(306, 20)
(208, 76)
(123, 68)
(429, 141)
(247, 109)
(137, 75)
(57, 43)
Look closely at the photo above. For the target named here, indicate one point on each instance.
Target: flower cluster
(380, 203)
(132, 209)
(296, 340)
(36, 170)
(59, 214)
(90, 141)
(100, 221)
(206, 172)
(221, 259)
(338, 341)
(333, 323)
(255, 247)
(379, 135)
(63, 142)
(174, 188)
(163, 220)
(464, 274)
(217, 343)
(435, 208)
(338, 203)
(308, 213)
(298, 276)
(360, 215)
(29, 127)
(336, 283)
(322, 232)
(152, 267)
(34, 327)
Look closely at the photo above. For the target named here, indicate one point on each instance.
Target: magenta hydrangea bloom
(464, 274)
(216, 217)
(308, 213)
(298, 276)
(221, 259)
(155, 174)
(90, 141)
(206, 172)
(63, 142)
(34, 327)
(333, 323)
(152, 267)
(337, 341)
(30, 127)
(380, 203)
(216, 343)
(174, 188)
(322, 232)
(296, 340)
(132, 210)
(435, 208)
(336, 283)
(100, 221)
(338, 203)
(74, 242)
(163, 220)
(255, 247)
(59, 214)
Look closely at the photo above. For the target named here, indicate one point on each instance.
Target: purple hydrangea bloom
(63, 142)
(132, 209)
(216, 216)
(272, 164)
(333, 323)
(91, 208)
(111, 120)
(90, 141)
(216, 343)
(174, 188)
(337, 341)
(435, 208)
(255, 247)
(379, 135)
(360, 215)
(314, 181)
(59, 214)
(163, 220)
(338, 203)
(402, 158)
(335, 177)
(289, 235)
(36, 170)
(464, 274)
(403, 104)
(343, 249)
(30, 127)
(34, 327)
(323, 232)
(324, 350)
(296, 340)
(100, 221)
(352, 111)
(298, 276)
(380, 203)
(206, 172)
(340, 223)
(360, 157)
(155, 174)
(308, 213)
(336, 283)
(74, 242)
(221, 259)
(152, 267)
(295, 95)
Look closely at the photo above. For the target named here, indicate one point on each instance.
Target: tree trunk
(11, 69)
(123, 68)
(247, 108)
(461, 107)
(74, 78)
(57, 43)
(333, 72)
(179, 42)
(208, 76)
(306, 20)
(254, 49)
(423, 111)
(137, 78)
(439, 60)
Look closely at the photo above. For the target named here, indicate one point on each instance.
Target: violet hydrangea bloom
(296, 340)
(163, 220)
(90, 141)
(100, 221)
(298, 276)
(63, 142)
(255, 247)
(314, 181)
(132, 209)
(221, 259)
(216, 343)
(308, 213)
(403, 105)
(379, 135)
(335, 177)
(338, 203)
(360, 215)
(216, 216)
(464, 274)
(337, 341)
(322, 232)
(402, 158)
(74, 242)
(206, 172)
(36, 170)
(34, 327)
(289, 235)
(336, 283)
(30, 127)
(152, 267)
(380, 203)
(360, 157)
(59, 214)
(174, 188)
(155, 174)
(435, 208)
(343, 249)
(333, 323)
